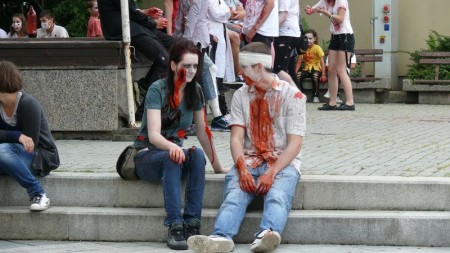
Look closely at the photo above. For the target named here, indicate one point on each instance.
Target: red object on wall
(32, 22)
(386, 8)
(386, 19)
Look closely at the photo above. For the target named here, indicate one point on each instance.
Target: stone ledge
(433, 94)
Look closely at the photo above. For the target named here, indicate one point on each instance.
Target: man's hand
(246, 181)
(27, 143)
(265, 181)
(153, 12)
(161, 23)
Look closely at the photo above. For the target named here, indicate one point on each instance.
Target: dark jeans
(156, 166)
(156, 50)
(284, 59)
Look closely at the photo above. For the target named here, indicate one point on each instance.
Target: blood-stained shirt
(268, 120)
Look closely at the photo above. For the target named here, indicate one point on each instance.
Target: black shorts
(342, 42)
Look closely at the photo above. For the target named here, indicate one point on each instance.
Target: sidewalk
(374, 140)
(152, 247)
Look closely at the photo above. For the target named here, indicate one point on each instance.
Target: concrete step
(403, 228)
(313, 192)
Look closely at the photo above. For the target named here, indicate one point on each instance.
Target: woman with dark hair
(19, 26)
(340, 50)
(24, 136)
(170, 105)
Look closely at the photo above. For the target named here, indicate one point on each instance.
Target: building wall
(416, 19)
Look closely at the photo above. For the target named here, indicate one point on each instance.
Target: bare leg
(235, 42)
(343, 76)
(333, 81)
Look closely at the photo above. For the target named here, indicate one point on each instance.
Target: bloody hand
(265, 181)
(246, 181)
(323, 79)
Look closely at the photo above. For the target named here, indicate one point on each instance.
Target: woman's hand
(250, 34)
(176, 154)
(27, 143)
(323, 79)
(309, 10)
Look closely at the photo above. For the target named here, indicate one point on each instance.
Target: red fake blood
(298, 95)
(261, 127)
(240, 164)
(209, 134)
(181, 133)
(179, 80)
(248, 80)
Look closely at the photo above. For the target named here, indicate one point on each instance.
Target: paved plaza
(153, 247)
(374, 140)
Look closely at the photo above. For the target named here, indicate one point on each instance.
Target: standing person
(23, 131)
(192, 23)
(340, 50)
(94, 28)
(314, 65)
(170, 105)
(284, 45)
(267, 127)
(261, 21)
(171, 12)
(145, 37)
(48, 27)
(19, 26)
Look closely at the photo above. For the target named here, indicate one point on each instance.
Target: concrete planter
(427, 93)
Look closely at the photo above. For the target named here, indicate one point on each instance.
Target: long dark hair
(180, 47)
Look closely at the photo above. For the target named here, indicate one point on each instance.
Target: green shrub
(73, 15)
(435, 42)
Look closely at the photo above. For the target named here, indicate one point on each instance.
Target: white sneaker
(266, 241)
(210, 244)
(327, 95)
(40, 203)
(338, 99)
(316, 100)
(227, 117)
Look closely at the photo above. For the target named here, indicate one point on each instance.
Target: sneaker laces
(36, 200)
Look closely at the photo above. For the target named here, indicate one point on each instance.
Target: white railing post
(126, 46)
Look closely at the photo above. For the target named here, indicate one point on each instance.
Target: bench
(437, 59)
(364, 56)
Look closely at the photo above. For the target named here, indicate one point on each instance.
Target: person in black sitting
(145, 37)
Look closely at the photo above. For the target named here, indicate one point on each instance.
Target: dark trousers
(261, 38)
(156, 50)
(284, 59)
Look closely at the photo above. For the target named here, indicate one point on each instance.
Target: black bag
(125, 165)
(45, 160)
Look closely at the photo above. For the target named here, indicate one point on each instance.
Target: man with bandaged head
(268, 122)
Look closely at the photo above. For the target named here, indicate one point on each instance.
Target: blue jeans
(207, 83)
(277, 202)
(15, 162)
(155, 166)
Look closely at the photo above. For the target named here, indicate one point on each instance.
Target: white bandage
(249, 58)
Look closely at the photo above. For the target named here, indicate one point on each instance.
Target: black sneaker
(191, 228)
(345, 107)
(327, 107)
(175, 237)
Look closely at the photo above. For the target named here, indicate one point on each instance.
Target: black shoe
(327, 107)
(175, 237)
(191, 228)
(345, 107)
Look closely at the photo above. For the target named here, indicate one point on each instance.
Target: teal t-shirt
(175, 121)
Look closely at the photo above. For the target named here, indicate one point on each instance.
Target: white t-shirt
(337, 28)
(253, 9)
(290, 26)
(3, 34)
(58, 32)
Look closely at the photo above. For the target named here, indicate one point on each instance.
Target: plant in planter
(436, 43)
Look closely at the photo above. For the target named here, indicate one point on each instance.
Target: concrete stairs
(326, 210)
